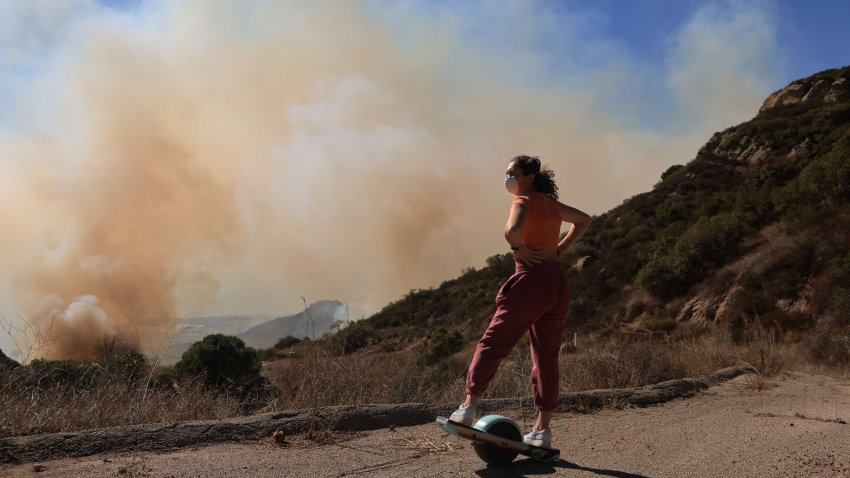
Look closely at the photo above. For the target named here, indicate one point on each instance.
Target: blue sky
(811, 36)
(231, 157)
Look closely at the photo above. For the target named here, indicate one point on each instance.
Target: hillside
(313, 322)
(756, 227)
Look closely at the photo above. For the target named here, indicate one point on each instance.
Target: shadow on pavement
(529, 467)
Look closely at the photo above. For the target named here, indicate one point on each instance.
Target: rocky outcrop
(162, 437)
(746, 151)
(810, 90)
(838, 91)
(579, 265)
(703, 308)
(789, 95)
(753, 151)
(817, 91)
(801, 150)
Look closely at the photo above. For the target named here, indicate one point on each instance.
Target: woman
(535, 298)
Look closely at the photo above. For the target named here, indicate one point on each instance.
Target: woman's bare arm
(513, 234)
(516, 223)
(580, 222)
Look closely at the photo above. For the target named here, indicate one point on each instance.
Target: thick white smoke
(230, 157)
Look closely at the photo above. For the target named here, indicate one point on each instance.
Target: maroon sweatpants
(535, 299)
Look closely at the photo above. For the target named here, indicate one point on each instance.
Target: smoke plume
(174, 158)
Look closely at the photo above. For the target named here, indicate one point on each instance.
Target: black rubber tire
(495, 455)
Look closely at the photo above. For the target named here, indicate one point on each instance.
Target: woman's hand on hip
(528, 256)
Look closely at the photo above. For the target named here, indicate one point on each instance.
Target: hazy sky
(170, 158)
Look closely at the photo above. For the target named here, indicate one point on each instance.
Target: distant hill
(258, 331)
(756, 227)
(196, 328)
(6, 362)
(312, 323)
(193, 329)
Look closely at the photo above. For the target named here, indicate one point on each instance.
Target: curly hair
(544, 178)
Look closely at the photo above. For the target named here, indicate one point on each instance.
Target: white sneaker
(463, 415)
(539, 438)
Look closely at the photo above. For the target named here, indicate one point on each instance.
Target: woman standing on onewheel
(535, 298)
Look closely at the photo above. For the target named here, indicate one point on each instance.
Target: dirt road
(794, 427)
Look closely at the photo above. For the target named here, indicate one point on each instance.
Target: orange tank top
(543, 225)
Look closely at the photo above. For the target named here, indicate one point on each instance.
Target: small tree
(713, 239)
(352, 338)
(440, 344)
(46, 374)
(224, 362)
(667, 275)
(287, 342)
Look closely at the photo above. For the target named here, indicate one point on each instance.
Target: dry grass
(111, 397)
(599, 363)
(637, 360)
(324, 380)
(426, 445)
(110, 400)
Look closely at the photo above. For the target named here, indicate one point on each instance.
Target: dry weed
(30, 408)
(110, 398)
(427, 445)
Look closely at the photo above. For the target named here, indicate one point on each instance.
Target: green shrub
(129, 366)
(657, 320)
(827, 178)
(441, 343)
(287, 342)
(841, 302)
(501, 264)
(282, 344)
(671, 171)
(671, 211)
(224, 362)
(60, 373)
(354, 337)
(714, 239)
(638, 234)
(841, 266)
(667, 276)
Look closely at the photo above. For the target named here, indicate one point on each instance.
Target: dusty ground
(791, 428)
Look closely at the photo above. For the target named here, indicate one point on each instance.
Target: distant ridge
(6, 362)
(323, 313)
(259, 332)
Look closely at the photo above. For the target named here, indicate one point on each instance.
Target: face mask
(511, 184)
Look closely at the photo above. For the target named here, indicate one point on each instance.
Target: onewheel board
(497, 440)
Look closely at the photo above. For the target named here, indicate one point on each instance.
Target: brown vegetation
(45, 397)
(111, 392)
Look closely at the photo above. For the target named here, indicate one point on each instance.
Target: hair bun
(536, 162)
